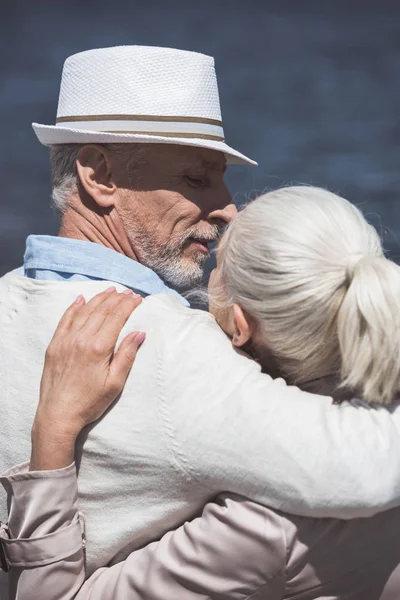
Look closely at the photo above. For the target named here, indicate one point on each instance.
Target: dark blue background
(308, 88)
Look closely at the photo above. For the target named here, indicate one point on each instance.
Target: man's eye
(194, 181)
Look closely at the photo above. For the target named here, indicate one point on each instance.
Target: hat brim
(50, 135)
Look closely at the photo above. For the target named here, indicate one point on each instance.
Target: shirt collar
(67, 255)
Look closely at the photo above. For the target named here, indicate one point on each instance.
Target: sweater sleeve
(235, 429)
(235, 550)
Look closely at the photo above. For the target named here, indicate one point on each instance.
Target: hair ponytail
(310, 271)
(369, 329)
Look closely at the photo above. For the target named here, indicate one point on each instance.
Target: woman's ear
(94, 171)
(243, 328)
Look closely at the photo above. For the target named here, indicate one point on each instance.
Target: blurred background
(309, 88)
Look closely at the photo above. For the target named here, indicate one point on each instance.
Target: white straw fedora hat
(139, 94)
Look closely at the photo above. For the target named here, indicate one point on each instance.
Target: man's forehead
(216, 166)
(209, 160)
(176, 155)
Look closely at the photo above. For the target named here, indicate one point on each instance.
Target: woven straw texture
(137, 81)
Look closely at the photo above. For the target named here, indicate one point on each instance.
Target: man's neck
(99, 229)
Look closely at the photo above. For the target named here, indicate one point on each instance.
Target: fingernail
(128, 292)
(110, 290)
(79, 299)
(139, 338)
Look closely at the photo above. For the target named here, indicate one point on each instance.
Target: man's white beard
(171, 265)
(176, 270)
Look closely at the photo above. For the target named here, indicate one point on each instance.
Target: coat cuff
(40, 532)
(44, 550)
(21, 472)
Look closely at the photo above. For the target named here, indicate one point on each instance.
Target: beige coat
(236, 550)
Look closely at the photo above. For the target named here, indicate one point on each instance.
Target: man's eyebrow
(215, 166)
(208, 165)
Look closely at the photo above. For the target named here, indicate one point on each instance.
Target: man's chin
(183, 275)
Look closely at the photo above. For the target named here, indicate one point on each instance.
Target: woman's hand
(82, 375)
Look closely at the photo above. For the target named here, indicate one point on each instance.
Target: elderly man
(138, 158)
(156, 204)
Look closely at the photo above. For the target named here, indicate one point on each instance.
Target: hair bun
(353, 262)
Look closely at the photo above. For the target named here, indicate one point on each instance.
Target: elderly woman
(303, 286)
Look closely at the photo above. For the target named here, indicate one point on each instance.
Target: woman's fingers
(90, 307)
(123, 359)
(96, 325)
(112, 313)
(70, 315)
(115, 315)
(82, 376)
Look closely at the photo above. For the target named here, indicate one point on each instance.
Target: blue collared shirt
(65, 259)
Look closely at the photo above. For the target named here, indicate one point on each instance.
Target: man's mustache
(209, 234)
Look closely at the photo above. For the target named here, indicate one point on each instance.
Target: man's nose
(226, 214)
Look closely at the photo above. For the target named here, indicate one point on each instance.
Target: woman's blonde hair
(308, 268)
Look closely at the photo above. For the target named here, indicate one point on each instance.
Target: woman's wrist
(53, 447)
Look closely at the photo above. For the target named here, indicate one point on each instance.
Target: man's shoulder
(16, 282)
(174, 331)
(194, 356)
(164, 312)
(169, 309)
(180, 335)
(181, 328)
(18, 272)
(11, 276)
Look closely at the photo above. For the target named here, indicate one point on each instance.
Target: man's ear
(243, 327)
(94, 171)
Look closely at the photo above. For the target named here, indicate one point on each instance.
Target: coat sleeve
(236, 549)
(43, 545)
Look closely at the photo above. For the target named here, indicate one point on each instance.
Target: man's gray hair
(64, 172)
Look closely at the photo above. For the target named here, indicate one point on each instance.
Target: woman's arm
(83, 374)
(223, 554)
(43, 546)
(236, 549)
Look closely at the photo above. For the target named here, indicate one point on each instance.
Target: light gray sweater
(196, 418)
